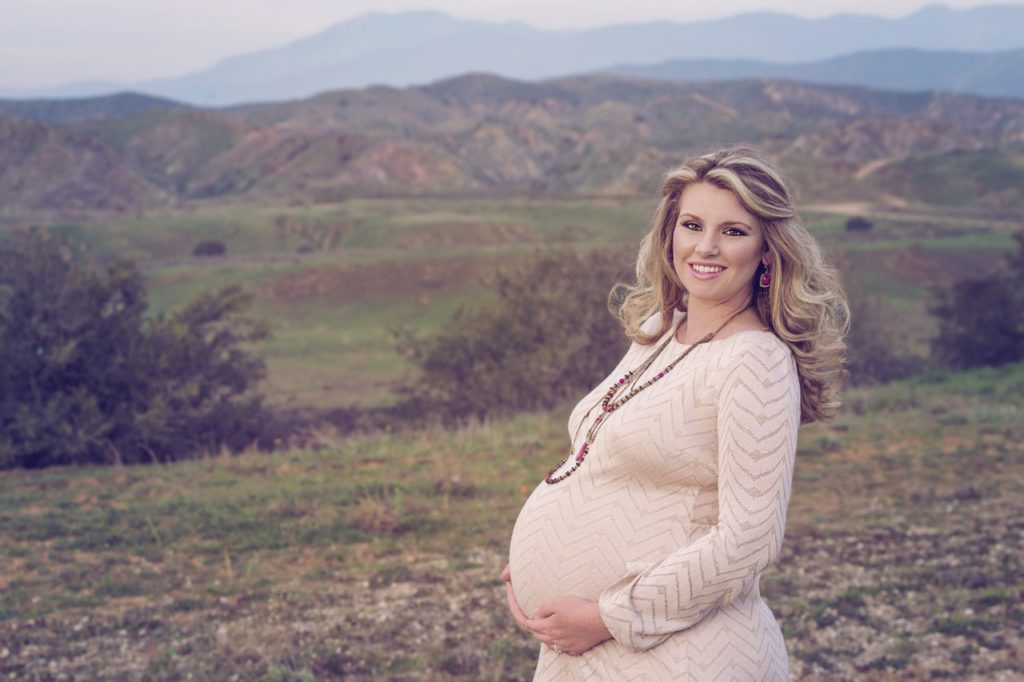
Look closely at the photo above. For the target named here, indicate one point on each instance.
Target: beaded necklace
(608, 405)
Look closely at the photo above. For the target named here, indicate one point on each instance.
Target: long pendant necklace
(609, 404)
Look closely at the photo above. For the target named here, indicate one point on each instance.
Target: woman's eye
(734, 231)
(690, 225)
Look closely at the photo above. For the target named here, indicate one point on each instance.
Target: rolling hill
(481, 135)
(78, 110)
(43, 167)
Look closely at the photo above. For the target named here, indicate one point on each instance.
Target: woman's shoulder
(755, 339)
(756, 367)
(756, 344)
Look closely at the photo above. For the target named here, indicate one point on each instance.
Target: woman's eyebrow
(687, 214)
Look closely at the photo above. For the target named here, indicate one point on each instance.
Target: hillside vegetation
(332, 312)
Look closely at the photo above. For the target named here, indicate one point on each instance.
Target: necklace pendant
(581, 455)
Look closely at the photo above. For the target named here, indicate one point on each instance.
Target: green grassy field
(377, 557)
(332, 312)
(415, 261)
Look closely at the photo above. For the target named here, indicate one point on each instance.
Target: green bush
(547, 336)
(875, 354)
(87, 378)
(981, 320)
(209, 248)
(858, 224)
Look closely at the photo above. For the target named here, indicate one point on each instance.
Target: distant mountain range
(994, 74)
(488, 136)
(422, 47)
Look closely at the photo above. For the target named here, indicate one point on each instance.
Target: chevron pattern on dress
(676, 512)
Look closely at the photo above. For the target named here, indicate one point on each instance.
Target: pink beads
(584, 449)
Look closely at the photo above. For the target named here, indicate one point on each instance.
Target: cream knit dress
(669, 522)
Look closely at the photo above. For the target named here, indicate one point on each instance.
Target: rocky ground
(937, 596)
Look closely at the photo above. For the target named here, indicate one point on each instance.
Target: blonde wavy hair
(804, 305)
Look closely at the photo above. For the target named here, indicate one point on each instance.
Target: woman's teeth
(707, 269)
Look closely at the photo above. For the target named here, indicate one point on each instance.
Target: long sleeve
(758, 419)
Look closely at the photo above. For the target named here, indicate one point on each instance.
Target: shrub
(548, 335)
(875, 355)
(858, 224)
(86, 378)
(209, 248)
(200, 378)
(981, 320)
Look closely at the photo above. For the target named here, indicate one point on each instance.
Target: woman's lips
(706, 271)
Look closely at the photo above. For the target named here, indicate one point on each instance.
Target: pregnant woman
(639, 556)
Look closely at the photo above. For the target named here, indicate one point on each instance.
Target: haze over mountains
(422, 47)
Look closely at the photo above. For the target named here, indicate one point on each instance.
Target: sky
(45, 43)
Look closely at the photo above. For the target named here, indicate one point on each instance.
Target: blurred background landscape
(335, 299)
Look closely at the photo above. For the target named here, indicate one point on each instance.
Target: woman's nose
(708, 245)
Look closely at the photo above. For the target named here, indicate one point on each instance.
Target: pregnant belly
(555, 552)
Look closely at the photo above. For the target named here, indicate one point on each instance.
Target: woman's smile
(706, 271)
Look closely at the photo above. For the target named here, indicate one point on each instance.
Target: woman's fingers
(543, 628)
(544, 610)
(567, 625)
(513, 606)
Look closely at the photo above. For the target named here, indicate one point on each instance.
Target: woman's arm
(758, 418)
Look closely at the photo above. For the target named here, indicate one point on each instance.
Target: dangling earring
(765, 280)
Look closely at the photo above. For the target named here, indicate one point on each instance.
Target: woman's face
(716, 246)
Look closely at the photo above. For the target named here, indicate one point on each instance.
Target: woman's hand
(569, 625)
